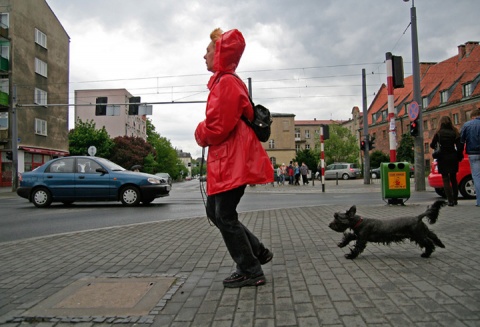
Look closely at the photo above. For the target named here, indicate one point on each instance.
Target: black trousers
(243, 245)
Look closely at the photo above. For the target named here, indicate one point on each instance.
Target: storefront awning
(44, 151)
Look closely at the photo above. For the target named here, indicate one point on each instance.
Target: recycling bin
(395, 181)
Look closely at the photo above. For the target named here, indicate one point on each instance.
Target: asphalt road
(20, 219)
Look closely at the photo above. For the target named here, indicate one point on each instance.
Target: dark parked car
(70, 179)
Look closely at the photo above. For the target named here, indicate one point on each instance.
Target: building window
(40, 97)
(425, 125)
(384, 115)
(456, 119)
(307, 134)
(443, 97)
(40, 38)
(434, 123)
(297, 133)
(467, 90)
(271, 144)
(426, 147)
(297, 147)
(40, 127)
(273, 160)
(425, 102)
(4, 20)
(307, 146)
(40, 67)
(4, 85)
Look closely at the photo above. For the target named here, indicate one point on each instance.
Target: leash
(203, 192)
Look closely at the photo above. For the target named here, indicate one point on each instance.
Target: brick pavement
(309, 282)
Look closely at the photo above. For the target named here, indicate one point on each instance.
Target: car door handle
(81, 177)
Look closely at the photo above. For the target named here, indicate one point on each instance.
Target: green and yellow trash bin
(395, 182)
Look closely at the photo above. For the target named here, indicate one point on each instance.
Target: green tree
(405, 150)
(377, 157)
(130, 150)
(166, 159)
(341, 146)
(85, 135)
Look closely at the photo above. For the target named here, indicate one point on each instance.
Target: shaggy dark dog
(387, 231)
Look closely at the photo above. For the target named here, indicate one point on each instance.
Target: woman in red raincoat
(236, 157)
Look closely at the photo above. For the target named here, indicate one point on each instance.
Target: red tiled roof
(450, 74)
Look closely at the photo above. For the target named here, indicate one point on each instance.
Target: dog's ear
(352, 211)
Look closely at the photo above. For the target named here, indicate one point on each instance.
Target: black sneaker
(265, 257)
(239, 280)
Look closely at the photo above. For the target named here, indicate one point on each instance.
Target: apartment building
(110, 108)
(34, 74)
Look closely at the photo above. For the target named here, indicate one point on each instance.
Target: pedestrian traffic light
(414, 128)
(9, 155)
(371, 143)
(362, 145)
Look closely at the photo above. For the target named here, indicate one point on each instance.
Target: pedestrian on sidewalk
(470, 135)
(304, 172)
(236, 157)
(451, 150)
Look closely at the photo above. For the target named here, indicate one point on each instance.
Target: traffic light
(133, 106)
(362, 145)
(9, 155)
(397, 72)
(101, 106)
(371, 143)
(414, 128)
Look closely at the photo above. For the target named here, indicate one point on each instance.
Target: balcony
(4, 64)
(4, 100)
(3, 31)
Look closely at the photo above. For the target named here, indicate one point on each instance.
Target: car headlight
(152, 180)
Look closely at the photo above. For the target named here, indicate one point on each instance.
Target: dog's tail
(433, 211)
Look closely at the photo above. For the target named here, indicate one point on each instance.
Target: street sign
(413, 110)
(92, 151)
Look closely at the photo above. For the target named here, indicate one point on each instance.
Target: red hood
(228, 51)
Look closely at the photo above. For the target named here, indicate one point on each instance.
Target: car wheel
(467, 188)
(374, 175)
(441, 192)
(345, 176)
(130, 196)
(41, 198)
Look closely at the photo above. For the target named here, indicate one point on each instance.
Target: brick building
(450, 87)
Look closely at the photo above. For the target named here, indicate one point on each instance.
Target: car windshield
(110, 165)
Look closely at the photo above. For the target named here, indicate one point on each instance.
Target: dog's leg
(431, 235)
(347, 238)
(428, 245)
(360, 245)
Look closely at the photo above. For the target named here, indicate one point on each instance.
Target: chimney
(470, 45)
(461, 51)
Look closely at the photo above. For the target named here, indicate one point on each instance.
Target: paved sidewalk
(309, 282)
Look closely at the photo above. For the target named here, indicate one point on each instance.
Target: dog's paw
(350, 256)
(425, 255)
(341, 244)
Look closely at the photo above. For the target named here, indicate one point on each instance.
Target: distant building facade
(450, 87)
(37, 70)
(121, 124)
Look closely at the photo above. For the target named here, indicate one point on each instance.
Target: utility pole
(366, 154)
(417, 97)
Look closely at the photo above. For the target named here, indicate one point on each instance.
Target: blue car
(83, 178)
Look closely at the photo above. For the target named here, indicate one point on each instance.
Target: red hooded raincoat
(235, 155)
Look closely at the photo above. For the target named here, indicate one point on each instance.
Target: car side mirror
(101, 170)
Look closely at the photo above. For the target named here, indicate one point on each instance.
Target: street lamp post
(417, 97)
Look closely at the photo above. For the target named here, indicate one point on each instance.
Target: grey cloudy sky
(304, 57)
